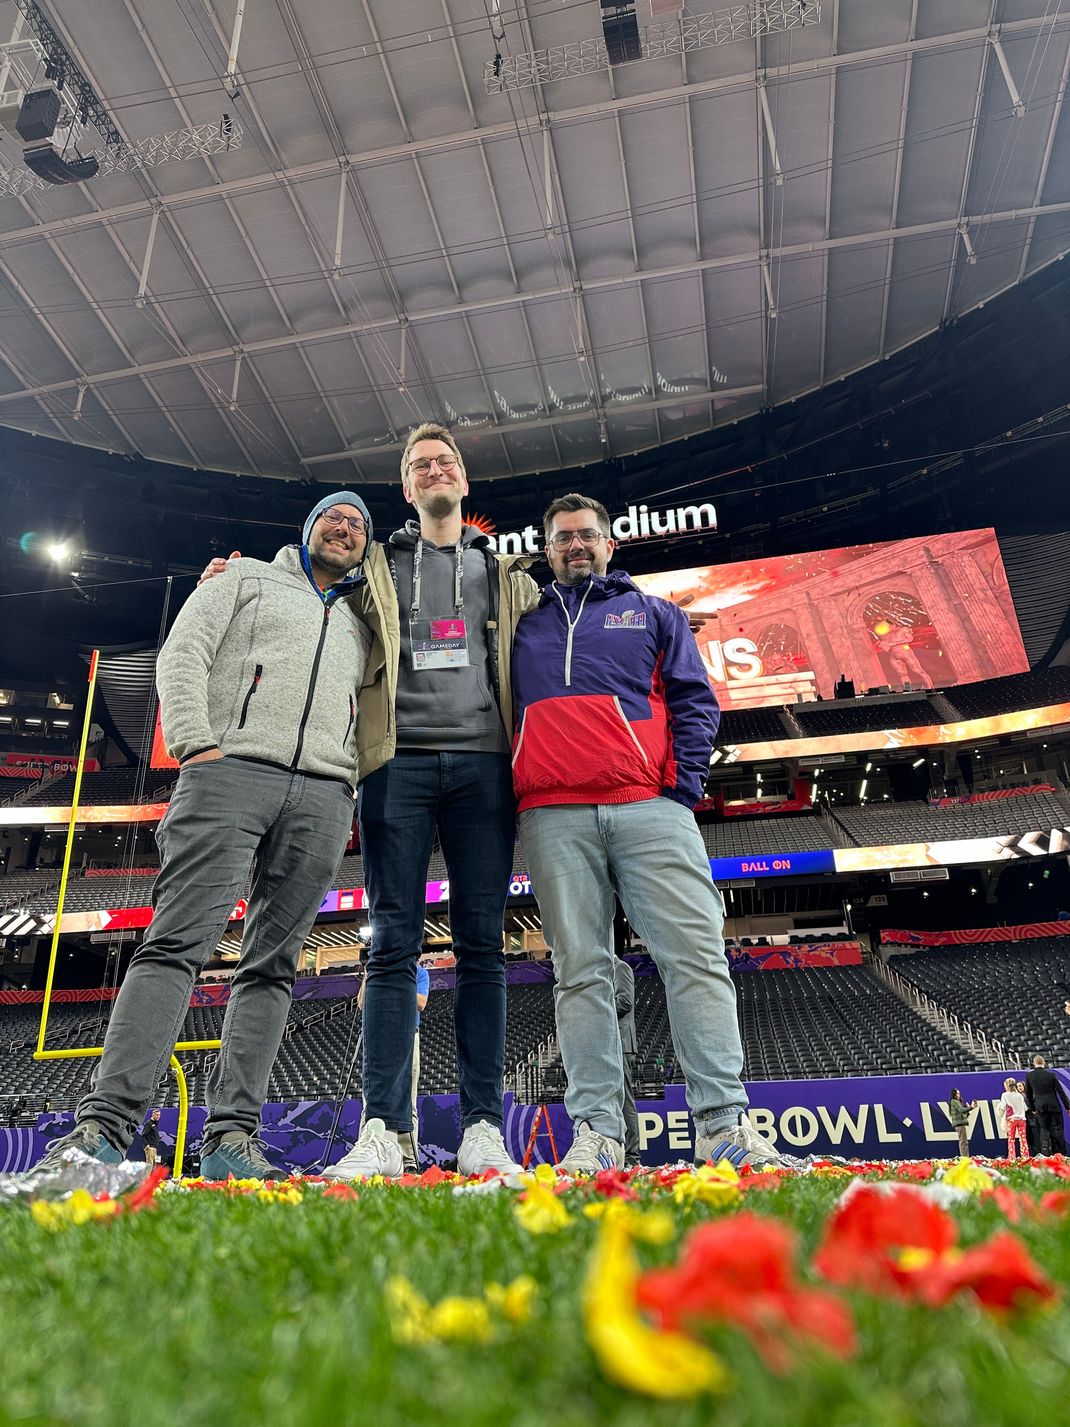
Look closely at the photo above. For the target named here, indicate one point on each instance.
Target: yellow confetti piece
(79, 1208)
(969, 1176)
(629, 1351)
(286, 1194)
(456, 1318)
(513, 1300)
(541, 1211)
(716, 1184)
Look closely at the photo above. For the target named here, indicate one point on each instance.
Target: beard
(334, 559)
(438, 504)
(576, 573)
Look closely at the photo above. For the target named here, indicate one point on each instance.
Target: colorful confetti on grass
(689, 1295)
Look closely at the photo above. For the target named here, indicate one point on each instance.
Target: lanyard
(417, 577)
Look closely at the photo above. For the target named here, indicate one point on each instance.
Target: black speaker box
(38, 116)
(48, 163)
(622, 38)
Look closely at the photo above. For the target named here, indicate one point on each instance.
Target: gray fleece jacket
(262, 666)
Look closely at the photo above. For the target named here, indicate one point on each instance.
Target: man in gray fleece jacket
(257, 683)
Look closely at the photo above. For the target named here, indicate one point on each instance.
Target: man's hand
(208, 756)
(696, 621)
(216, 566)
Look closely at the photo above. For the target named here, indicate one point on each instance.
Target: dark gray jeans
(225, 815)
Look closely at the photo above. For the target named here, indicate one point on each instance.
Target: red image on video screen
(927, 613)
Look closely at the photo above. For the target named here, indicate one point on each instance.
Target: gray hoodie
(261, 666)
(446, 709)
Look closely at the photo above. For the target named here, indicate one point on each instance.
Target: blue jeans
(652, 856)
(468, 797)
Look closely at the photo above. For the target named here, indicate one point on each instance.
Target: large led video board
(928, 612)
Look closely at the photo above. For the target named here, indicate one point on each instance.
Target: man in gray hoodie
(257, 683)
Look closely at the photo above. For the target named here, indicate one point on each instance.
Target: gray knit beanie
(336, 498)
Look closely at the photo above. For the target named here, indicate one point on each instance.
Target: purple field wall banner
(868, 1117)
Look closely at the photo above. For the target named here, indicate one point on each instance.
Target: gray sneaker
(88, 1138)
(239, 1156)
(590, 1152)
(738, 1144)
(376, 1152)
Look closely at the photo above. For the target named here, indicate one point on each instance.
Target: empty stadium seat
(1013, 991)
(864, 717)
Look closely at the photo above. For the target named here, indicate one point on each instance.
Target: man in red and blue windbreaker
(615, 725)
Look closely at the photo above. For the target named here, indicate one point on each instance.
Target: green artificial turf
(207, 1309)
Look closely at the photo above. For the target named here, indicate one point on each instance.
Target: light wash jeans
(225, 817)
(652, 856)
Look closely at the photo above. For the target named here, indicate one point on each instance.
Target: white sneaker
(376, 1152)
(483, 1148)
(591, 1152)
(738, 1144)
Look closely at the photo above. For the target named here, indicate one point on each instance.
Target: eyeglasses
(421, 466)
(336, 518)
(564, 538)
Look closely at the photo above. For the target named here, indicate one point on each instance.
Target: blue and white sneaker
(87, 1138)
(738, 1145)
(239, 1156)
(591, 1152)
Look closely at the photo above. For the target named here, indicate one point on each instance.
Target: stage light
(59, 551)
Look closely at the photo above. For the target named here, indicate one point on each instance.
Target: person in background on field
(150, 1139)
(1032, 1134)
(1045, 1095)
(410, 1142)
(624, 978)
(958, 1112)
(1012, 1107)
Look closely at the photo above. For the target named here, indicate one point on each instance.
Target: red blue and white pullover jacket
(613, 701)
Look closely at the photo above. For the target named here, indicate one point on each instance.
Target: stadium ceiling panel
(355, 216)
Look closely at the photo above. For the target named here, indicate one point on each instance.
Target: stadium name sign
(639, 523)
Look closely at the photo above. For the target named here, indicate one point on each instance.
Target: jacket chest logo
(630, 619)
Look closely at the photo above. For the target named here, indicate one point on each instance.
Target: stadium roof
(454, 209)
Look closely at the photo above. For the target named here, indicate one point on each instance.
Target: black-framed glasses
(421, 466)
(336, 518)
(564, 538)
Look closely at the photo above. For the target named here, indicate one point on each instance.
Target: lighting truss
(659, 41)
(87, 106)
(41, 58)
(202, 141)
